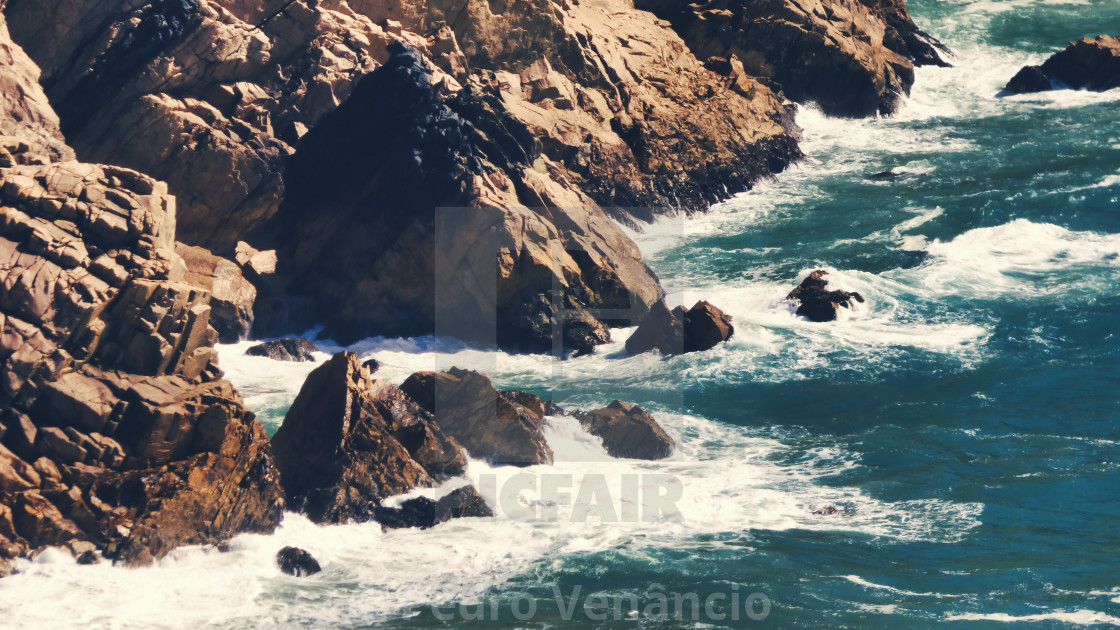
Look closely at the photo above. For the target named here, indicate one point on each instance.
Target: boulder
(705, 327)
(628, 431)
(699, 328)
(297, 562)
(1092, 63)
(467, 407)
(291, 349)
(231, 295)
(348, 442)
(818, 303)
(423, 512)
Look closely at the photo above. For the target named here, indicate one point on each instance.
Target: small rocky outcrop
(818, 303)
(424, 513)
(628, 431)
(348, 442)
(699, 328)
(297, 562)
(291, 349)
(467, 407)
(231, 295)
(1092, 63)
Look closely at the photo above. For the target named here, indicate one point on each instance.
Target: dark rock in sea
(627, 431)
(423, 512)
(88, 557)
(1029, 79)
(291, 349)
(828, 510)
(297, 562)
(531, 402)
(699, 328)
(705, 327)
(349, 441)
(1092, 63)
(372, 365)
(817, 303)
(467, 407)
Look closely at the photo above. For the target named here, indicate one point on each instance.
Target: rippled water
(964, 421)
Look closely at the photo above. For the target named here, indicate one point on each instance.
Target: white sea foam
(1079, 617)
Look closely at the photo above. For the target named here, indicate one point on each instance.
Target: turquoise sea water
(964, 422)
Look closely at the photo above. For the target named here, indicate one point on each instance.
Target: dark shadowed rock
(674, 332)
(297, 562)
(467, 407)
(1092, 63)
(372, 365)
(291, 349)
(348, 442)
(88, 557)
(1029, 79)
(423, 512)
(628, 431)
(818, 303)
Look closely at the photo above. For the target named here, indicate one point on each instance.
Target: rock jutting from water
(627, 431)
(680, 330)
(295, 349)
(1092, 63)
(819, 304)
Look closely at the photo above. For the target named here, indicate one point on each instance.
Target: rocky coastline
(178, 172)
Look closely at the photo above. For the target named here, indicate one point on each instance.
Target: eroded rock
(818, 303)
(628, 431)
(1092, 63)
(348, 442)
(295, 349)
(699, 328)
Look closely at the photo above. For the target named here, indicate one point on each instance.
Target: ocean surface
(959, 431)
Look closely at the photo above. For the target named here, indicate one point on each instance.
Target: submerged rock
(699, 328)
(467, 407)
(297, 562)
(423, 512)
(349, 441)
(628, 431)
(816, 302)
(290, 349)
(1092, 63)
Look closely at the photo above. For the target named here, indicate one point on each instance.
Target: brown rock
(348, 442)
(466, 407)
(231, 295)
(817, 303)
(699, 328)
(628, 431)
(297, 562)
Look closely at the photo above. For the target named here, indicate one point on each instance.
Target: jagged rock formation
(1092, 63)
(489, 425)
(819, 304)
(118, 433)
(681, 330)
(361, 233)
(295, 349)
(423, 512)
(852, 58)
(349, 441)
(297, 562)
(628, 431)
(231, 295)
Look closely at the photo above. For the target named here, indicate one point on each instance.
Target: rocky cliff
(117, 431)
